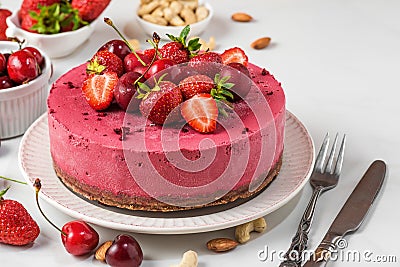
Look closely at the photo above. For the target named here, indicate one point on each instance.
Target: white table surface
(339, 64)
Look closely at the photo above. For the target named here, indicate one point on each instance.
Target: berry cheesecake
(199, 153)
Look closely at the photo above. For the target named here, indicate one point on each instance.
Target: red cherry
(5, 82)
(3, 63)
(131, 61)
(79, 238)
(22, 67)
(125, 90)
(125, 251)
(159, 65)
(118, 47)
(36, 54)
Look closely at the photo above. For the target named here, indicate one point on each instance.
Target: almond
(100, 254)
(261, 43)
(241, 17)
(221, 244)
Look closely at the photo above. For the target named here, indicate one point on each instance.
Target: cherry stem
(38, 185)
(109, 22)
(12, 180)
(155, 42)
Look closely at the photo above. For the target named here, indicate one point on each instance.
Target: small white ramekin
(56, 45)
(21, 105)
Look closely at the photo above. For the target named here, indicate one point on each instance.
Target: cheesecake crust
(151, 204)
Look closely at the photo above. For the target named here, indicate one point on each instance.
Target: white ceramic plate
(35, 161)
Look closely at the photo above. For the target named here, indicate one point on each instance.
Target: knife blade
(352, 213)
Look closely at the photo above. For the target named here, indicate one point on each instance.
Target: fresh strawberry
(149, 53)
(98, 89)
(208, 63)
(105, 61)
(16, 225)
(29, 5)
(196, 84)
(178, 50)
(235, 55)
(175, 51)
(28, 22)
(160, 102)
(4, 13)
(89, 10)
(201, 113)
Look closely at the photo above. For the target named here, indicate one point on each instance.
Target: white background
(339, 64)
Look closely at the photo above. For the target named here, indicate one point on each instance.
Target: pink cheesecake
(121, 159)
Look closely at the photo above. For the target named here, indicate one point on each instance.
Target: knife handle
(323, 252)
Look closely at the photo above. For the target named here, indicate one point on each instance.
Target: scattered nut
(189, 259)
(135, 43)
(242, 232)
(222, 244)
(261, 43)
(206, 46)
(100, 254)
(241, 17)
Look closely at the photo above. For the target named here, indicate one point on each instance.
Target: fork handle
(293, 256)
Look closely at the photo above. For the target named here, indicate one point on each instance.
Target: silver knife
(352, 213)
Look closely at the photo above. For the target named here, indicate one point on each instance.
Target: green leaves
(193, 46)
(144, 90)
(221, 90)
(55, 18)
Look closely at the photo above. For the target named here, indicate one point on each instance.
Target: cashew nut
(189, 259)
(156, 20)
(176, 21)
(158, 12)
(188, 15)
(169, 13)
(242, 232)
(201, 13)
(148, 8)
(176, 7)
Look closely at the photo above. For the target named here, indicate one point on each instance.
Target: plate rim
(166, 230)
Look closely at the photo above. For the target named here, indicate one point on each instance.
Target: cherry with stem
(77, 236)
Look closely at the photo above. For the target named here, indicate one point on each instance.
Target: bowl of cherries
(24, 80)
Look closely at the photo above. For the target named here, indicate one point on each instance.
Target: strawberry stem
(12, 180)
(155, 42)
(109, 22)
(38, 185)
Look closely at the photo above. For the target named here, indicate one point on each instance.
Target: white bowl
(195, 28)
(21, 105)
(55, 45)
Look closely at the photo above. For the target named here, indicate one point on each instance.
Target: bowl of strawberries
(24, 82)
(58, 27)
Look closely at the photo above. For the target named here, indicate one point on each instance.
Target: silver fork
(324, 177)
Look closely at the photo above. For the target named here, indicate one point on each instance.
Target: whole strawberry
(105, 61)
(16, 225)
(4, 13)
(160, 102)
(179, 50)
(89, 10)
(208, 63)
(196, 84)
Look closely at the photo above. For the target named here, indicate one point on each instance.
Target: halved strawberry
(98, 89)
(201, 113)
(235, 55)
